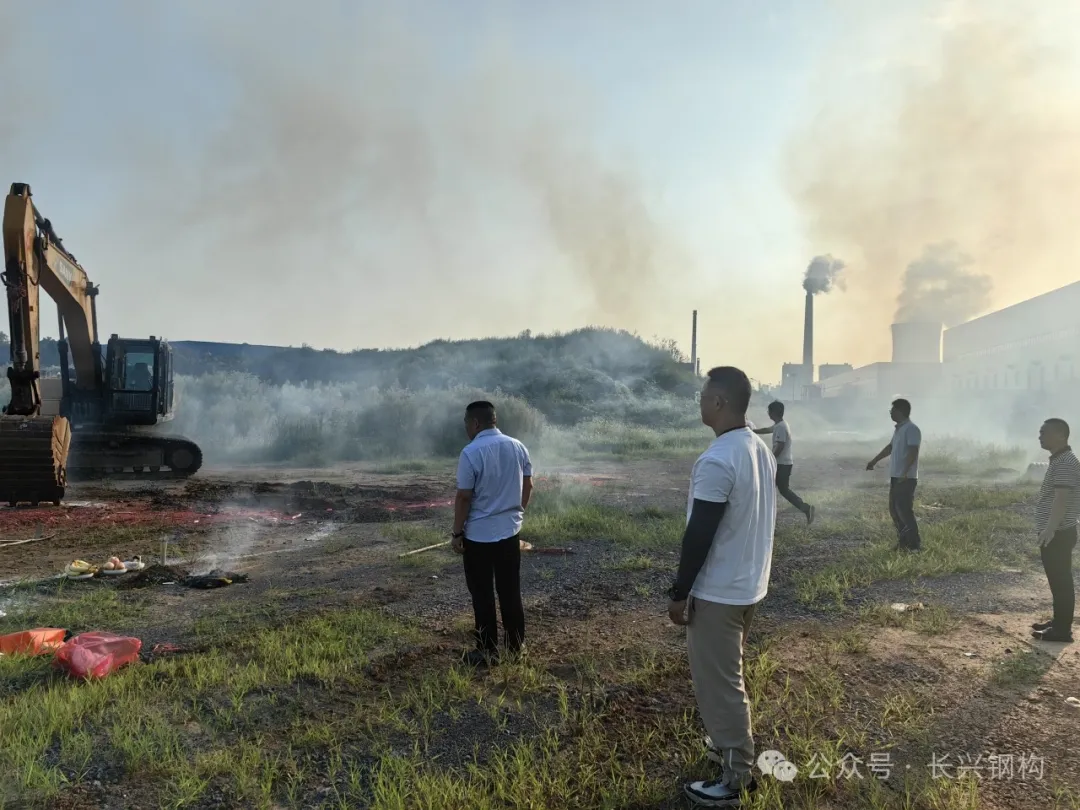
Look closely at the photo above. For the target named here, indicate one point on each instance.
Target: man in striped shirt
(1057, 516)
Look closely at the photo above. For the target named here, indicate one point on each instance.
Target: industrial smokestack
(808, 336)
(693, 345)
(822, 274)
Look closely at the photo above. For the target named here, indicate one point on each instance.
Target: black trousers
(1057, 562)
(498, 564)
(783, 486)
(902, 510)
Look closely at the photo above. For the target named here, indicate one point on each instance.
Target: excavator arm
(35, 260)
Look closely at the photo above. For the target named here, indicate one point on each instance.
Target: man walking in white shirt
(903, 455)
(723, 574)
(785, 459)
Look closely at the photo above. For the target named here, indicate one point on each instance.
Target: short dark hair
(735, 385)
(776, 407)
(482, 411)
(1060, 424)
(903, 406)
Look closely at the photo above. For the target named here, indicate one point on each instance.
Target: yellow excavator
(110, 398)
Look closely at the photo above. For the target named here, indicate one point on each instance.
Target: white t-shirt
(906, 436)
(738, 469)
(782, 433)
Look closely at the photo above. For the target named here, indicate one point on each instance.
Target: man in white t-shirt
(785, 459)
(723, 575)
(903, 455)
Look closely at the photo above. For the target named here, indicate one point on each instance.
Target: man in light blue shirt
(903, 455)
(494, 483)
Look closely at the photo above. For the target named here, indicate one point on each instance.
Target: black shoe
(1053, 634)
(479, 658)
(811, 512)
(1041, 626)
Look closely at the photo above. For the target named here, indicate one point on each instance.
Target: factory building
(1032, 346)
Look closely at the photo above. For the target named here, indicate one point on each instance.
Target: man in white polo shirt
(494, 483)
(723, 574)
(785, 458)
(903, 455)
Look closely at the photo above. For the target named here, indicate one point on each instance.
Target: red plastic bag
(32, 642)
(95, 655)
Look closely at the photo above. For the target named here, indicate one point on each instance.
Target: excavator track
(33, 451)
(146, 456)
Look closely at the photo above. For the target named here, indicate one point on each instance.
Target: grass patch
(932, 620)
(562, 516)
(414, 535)
(605, 438)
(414, 466)
(1023, 669)
(966, 498)
(964, 543)
(185, 722)
(77, 608)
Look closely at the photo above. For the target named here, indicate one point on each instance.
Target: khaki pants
(715, 640)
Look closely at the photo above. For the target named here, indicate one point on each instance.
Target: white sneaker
(714, 793)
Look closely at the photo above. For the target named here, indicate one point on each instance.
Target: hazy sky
(352, 174)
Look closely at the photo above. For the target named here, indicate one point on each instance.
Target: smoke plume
(962, 129)
(823, 274)
(377, 186)
(938, 287)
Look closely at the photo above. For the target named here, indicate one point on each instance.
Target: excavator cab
(139, 381)
(137, 389)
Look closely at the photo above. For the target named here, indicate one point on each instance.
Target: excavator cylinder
(33, 459)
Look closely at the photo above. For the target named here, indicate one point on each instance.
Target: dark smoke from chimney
(938, 287)
(823, 274)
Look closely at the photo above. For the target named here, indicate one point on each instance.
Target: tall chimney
(808, 337)
(693, 345)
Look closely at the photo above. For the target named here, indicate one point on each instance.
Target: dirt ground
(313, 541)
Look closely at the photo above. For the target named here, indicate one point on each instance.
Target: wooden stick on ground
(425, 548)
(20, 542)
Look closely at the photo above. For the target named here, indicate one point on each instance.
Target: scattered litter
(971, 655)
(32, 642)
(95, 655)
(162, 650)
(215, 579)
(903, 607)
(153, 575)
(1073, 701)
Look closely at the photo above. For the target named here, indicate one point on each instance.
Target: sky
(381, 174)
